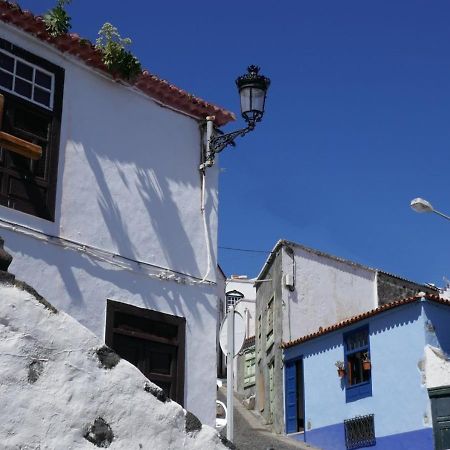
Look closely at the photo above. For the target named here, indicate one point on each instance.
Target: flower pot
(341, 373)
(367, 365)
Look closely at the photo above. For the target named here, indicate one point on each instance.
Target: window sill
(358, 391)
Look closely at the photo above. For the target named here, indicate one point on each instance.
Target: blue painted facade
(398, 398)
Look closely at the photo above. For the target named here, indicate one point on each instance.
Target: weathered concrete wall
(268, 356)
(327, 290)
(244, 391)
(391, 288)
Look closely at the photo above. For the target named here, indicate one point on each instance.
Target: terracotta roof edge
(354, 319)
(156, 88)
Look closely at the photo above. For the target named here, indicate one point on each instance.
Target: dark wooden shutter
(152, 341)
(26, 185)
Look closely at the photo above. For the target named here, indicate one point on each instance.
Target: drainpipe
(247, 323)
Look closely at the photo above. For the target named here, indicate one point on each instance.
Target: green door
(440, 409)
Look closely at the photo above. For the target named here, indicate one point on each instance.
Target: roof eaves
(365, 315)
(155, 87)
(270, 259)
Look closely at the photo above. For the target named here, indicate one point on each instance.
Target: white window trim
(33, 83)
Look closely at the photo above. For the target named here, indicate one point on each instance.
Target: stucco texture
(128, 184)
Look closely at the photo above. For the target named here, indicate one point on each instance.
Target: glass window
(32, 91)
(26, 80)
(233, 298)
(358, 364)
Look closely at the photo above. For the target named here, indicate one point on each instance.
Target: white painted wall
(128, 183)
(247, 306)
(73, 389)
(327, 291)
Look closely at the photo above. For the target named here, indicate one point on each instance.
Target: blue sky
(356, 125)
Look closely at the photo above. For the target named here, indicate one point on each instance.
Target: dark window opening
(33, 90)
(358, 364)
(152, 341)
(360, 432)
(357, 373)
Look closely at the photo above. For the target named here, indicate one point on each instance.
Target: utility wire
(245, 250)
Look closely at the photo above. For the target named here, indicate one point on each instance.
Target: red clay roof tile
(151, 85)
(365, 315)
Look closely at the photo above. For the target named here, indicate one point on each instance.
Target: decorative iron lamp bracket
(252, 89)
(215, 144)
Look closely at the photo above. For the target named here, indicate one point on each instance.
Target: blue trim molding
(333, 438)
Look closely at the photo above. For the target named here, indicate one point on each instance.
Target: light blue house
(394, 392)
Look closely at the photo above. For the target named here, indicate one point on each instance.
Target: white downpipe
(209, 132)
(247, 323)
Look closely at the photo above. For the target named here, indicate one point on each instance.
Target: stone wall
(391, 288)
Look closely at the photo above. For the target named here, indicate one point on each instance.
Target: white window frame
(33, 82)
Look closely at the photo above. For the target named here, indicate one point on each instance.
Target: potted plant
(340, 368)
(366, 361)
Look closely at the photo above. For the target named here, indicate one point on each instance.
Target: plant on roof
(115, 55)
(57, 21)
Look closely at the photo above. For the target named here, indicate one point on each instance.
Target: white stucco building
(111, 214)
(244, 290)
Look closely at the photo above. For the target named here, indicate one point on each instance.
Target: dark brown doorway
(152, 341)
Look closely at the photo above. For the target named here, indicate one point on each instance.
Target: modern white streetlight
(422, 206)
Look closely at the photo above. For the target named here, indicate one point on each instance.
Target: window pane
(31, 122)
(24, 71)
(356, 372)
(23, 88)
(357, 340)
(6, 62)
(6, 80)
(43, 79)
(41, 96)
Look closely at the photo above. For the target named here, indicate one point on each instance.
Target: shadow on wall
(437, 326)
(88, 283)
(159, 205)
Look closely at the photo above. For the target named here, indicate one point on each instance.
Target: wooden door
(291, 396)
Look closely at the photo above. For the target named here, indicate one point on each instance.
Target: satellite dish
(239, 333)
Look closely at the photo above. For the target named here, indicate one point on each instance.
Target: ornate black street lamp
(252, 90)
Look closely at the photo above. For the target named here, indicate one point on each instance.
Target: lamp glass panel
(258, 96)
(246, 95)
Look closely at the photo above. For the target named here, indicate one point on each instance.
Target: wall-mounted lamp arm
(215, 144)
(218, 143)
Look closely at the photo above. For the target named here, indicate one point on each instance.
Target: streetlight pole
(421, 205)
(230, 377)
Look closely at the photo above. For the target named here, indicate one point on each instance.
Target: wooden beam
(15, 144)
(20, 146)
